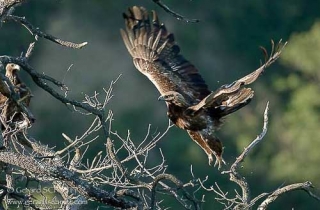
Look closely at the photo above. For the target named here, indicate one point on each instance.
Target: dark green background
(224, 47)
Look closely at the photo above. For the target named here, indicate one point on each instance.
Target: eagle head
(11, 68)
(174, 98)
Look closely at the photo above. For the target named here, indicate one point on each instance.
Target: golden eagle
(191, 106)
(10, 111)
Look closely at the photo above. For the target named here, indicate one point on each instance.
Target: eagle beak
(161, 98)
(16, 67)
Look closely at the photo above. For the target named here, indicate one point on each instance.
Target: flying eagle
(191, 106)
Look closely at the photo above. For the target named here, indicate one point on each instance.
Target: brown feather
(155, 52)
(210, 144)
(9, 108)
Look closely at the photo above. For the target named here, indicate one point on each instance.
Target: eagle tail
(210, 144)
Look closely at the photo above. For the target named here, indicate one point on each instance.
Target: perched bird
(191, 106)
(12, 73)
(11, 111)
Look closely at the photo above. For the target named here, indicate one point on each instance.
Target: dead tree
(106, 178)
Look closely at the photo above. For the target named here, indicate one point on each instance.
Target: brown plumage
(191, 106)
(10, 111)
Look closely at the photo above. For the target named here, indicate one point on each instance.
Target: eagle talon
(210, 159)
(218, 162)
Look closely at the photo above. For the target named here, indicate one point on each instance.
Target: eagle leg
(215, 146)
(210, 144)
(196, 137)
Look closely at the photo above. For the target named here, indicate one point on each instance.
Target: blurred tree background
(224, 46)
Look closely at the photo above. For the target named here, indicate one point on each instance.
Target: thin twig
(179, 185)
(173, 13)
(115, 159)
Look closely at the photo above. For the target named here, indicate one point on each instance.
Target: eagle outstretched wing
(156, 55)
(231, 97)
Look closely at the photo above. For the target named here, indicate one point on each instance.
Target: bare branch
(179, 185)
(306, 186)
(115, 159)
(69, 177)
(234, 174)
(36, 32)
(246, 150)
(7, 7)
(38, 79)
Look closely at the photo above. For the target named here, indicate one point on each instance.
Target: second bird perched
(191, 106)
(10, 110)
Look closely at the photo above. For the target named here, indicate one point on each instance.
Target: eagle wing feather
(219, 101)
(157, 56)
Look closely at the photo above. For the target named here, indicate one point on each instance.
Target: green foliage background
(224, 46)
